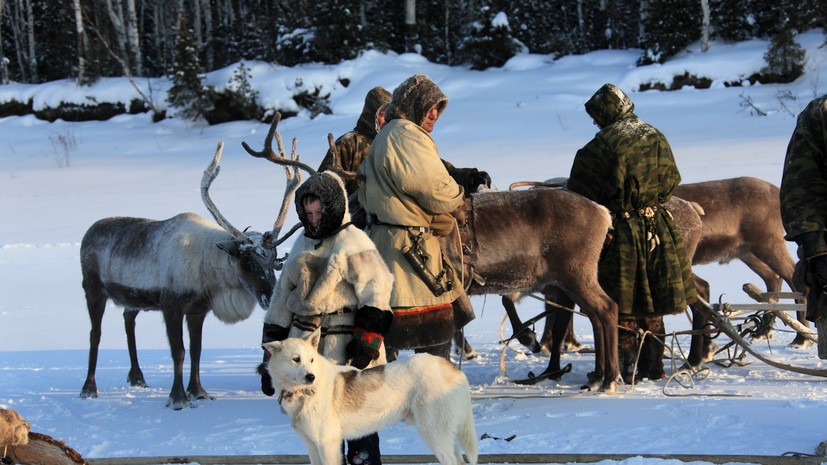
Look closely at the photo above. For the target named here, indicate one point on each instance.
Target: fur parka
(330, 279)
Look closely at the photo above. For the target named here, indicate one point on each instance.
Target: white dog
(328, 403)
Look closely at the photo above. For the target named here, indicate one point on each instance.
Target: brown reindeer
(550, 243)
(743, 220)
(687, 218)
(184, 266)
(740, 219)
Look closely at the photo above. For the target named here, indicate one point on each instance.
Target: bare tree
(82, 42)
(30, 34)
(4, 62)
(134, 37)
(705, 26)
(115, 13)
(410, 24)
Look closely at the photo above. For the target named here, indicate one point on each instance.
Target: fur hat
(330, 190)
(414, 98)
(608, 105)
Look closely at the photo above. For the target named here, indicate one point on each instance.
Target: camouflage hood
(377, 97)
(330, 190)
(608, 105)
(414, 98)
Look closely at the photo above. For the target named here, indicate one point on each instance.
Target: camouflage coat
(629, 168)
(804, 190)
(353, 146)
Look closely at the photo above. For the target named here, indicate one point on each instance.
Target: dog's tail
(468, 436)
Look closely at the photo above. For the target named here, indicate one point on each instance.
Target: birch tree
(410, 25)
(134, 37)
(81, 47)
(4, 62)
(32, 61)
(116, 18)
(705, 26)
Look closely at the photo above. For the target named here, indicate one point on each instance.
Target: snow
(521, 122)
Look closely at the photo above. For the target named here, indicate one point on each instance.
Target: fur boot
(627, 341)
(651, 356)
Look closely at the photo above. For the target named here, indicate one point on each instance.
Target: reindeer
(740, 218)
(743, 220)
(183, 266)
(559, 304)
(551, 243)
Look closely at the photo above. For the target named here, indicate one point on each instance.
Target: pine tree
(338, 32)
(188, 96)
(669, 26)
(245, 97)
(490, 42)
(731, 19)
(785, 58)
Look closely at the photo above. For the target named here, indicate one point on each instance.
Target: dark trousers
(364, 451)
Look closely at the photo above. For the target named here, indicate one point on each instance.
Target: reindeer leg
(463, 347)
(523, 333)
(602, 313)
(174, 321)
(136, 376)
(96, 305)
(195, 326)
(700, 347)
(557, 323)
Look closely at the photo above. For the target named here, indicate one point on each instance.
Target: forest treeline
(83, 40)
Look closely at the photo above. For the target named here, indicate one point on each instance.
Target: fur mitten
(369, 329)
(269, 333)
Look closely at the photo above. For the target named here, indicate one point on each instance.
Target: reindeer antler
(337, 162)
(279, 158)
(294, 178)
(206, 181)
(292, 166)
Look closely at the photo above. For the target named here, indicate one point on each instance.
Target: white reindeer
(183, 266)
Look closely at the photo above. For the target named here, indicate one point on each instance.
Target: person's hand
(369, 328)
(818, 267)
(480, 178)
(360, 354)
(266, 381)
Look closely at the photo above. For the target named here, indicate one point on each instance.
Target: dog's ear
(272, 347)
(315, 337)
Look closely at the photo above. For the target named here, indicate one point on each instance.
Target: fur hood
(329, 188)
(375, 98)
(414, 98)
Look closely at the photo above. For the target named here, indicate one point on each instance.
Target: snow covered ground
(522, 122)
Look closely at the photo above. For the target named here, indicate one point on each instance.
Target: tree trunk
(705, 26)
(4, 62)
(410, 25)
(209, 49)
(134, 38)
(30, 34)
(116, 16)
(643, 15)
(81, 47)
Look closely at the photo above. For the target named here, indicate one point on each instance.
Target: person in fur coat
(333, 279)
(410, 198)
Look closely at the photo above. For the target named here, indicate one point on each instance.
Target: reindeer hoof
(609, 386)
(800, 342)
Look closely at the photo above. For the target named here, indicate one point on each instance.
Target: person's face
(380, 118)
(313, 211)
(430, 119)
